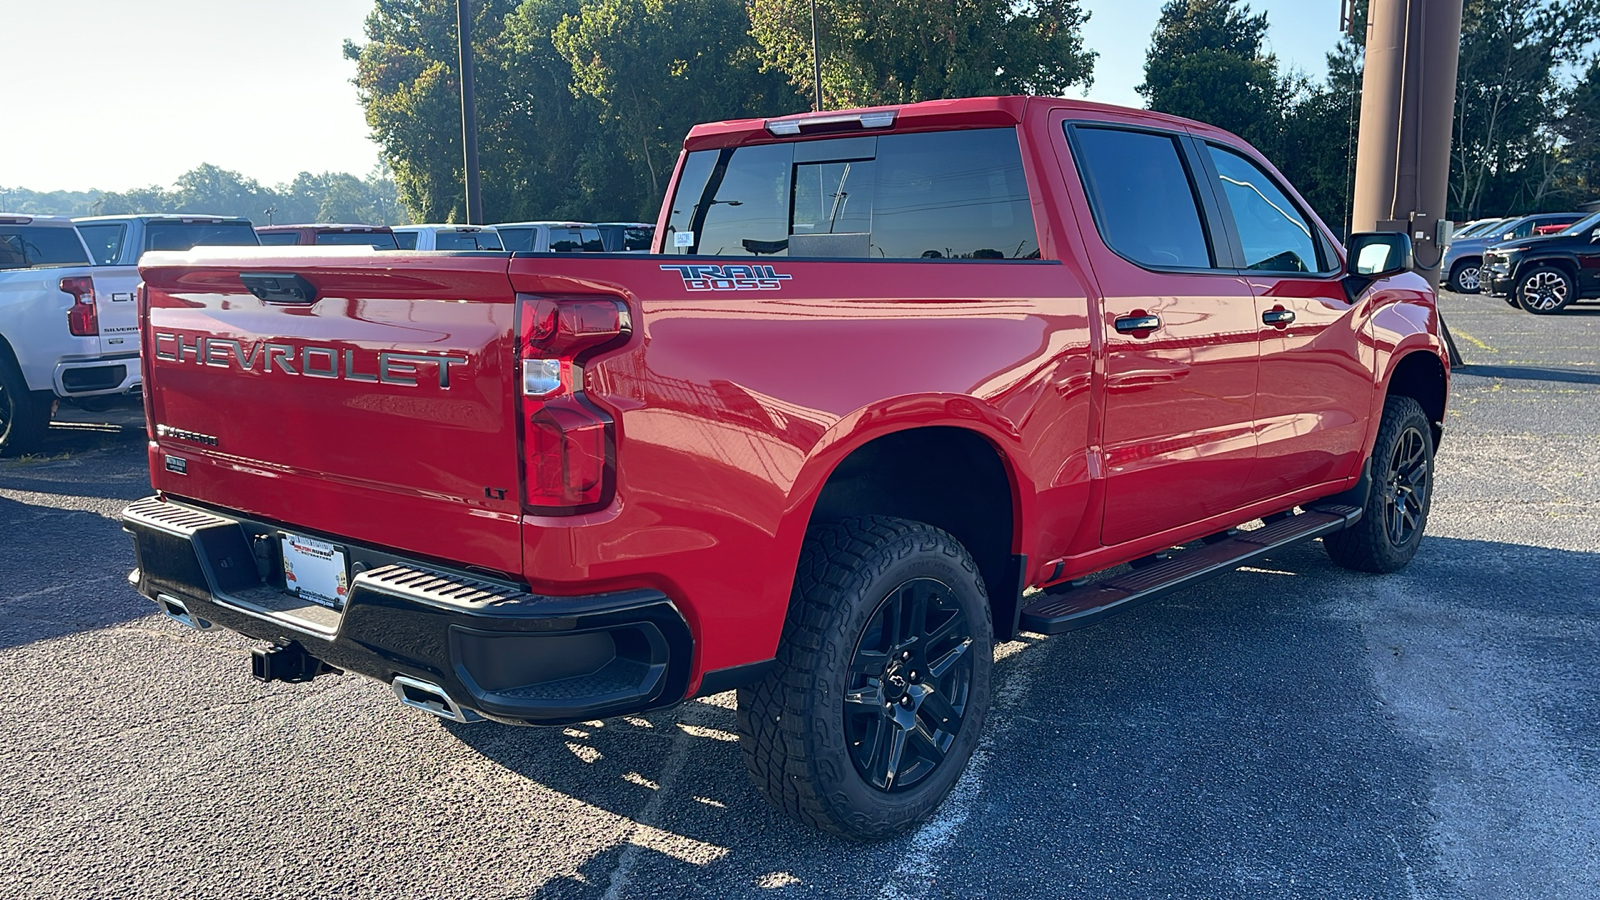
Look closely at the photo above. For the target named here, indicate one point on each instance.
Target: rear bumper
(493, 648)
(93, 377)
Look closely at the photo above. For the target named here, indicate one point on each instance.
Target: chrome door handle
(1278, 317)
(1131, 324)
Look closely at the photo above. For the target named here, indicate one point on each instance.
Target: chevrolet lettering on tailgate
(381, 367)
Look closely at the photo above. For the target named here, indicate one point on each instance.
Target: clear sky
(261, 87)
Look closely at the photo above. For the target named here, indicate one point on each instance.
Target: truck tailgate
(381, 411)
(115, 310)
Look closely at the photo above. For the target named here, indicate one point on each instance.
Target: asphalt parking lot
(1290, 730)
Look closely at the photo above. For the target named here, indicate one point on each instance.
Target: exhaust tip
(431, 698)
(177, 610)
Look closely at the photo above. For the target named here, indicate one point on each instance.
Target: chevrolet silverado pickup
(894, 384)
(68, 328)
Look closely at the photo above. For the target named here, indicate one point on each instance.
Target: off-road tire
(24, 414)
(1371, 544)
(792, 724)
(1463, 282)
(1544, 291)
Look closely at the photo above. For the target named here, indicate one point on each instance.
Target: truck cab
(551, 237)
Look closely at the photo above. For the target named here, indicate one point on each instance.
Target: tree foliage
(900, 51)
(212, 190)
(1207, 61)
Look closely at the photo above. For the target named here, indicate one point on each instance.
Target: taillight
(567, 455)
(82, 320)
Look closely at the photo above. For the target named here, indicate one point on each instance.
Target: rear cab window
(921, 195)
(104, 241)
(189, 235)
(279, 238)
(465, 240)
(39, 246)
(575, 240)
(380, 240)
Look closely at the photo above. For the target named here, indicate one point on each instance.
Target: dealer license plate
(314, 570)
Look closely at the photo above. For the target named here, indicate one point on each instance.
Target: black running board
(1079, 607)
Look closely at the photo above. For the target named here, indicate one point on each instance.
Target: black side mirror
(1378, 254)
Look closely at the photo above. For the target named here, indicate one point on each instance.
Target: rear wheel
(1465, 275)
(1544, 291)
(882, 679)
(1390, 529)
(24, 414)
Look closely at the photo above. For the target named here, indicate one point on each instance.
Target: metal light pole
(469, 113)
(1408, 97)
(816, 61)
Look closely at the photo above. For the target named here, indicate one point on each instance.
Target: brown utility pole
(469, 114)
(1408, 99)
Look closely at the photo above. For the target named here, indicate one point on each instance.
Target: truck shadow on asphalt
(1228, 741)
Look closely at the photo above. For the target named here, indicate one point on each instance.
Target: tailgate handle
(279, 287)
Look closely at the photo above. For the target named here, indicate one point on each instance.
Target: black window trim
(1327, 258)
(1220, 244)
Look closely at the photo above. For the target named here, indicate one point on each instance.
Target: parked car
(1462, 259)
(447, 237)
(380, 237)
(1547, 274)
(1478, 227)
(550, 237)
(627, 237)
(121, 240)
(68, 328)
(891, 368)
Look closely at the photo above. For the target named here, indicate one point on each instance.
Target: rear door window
(1143, 197)
(1274, 234)
(406, 239)
(934, 195)
(28, 246)
(105, 241)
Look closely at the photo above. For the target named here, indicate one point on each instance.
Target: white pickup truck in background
(69, 329)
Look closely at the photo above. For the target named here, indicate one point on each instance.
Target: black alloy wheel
(877, 696)
(910, 679)
(1544, 291)
(1405, 487)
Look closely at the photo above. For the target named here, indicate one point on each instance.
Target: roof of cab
(161, 217)
(30, 219)
(965, 112)
(325, 228)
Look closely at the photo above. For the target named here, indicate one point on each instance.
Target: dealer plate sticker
(314, 570)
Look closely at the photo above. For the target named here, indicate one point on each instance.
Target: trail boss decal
(382, 367)
(728, 278)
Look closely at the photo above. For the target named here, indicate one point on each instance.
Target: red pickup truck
(893, 385)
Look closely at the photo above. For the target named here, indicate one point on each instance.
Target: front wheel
(881, 684)
(1544, 291)
(1390, 528)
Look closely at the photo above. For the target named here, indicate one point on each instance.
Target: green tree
(407, 81)
(1207, 61)
(900, 51)
(1579, 128)
(657, 67)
